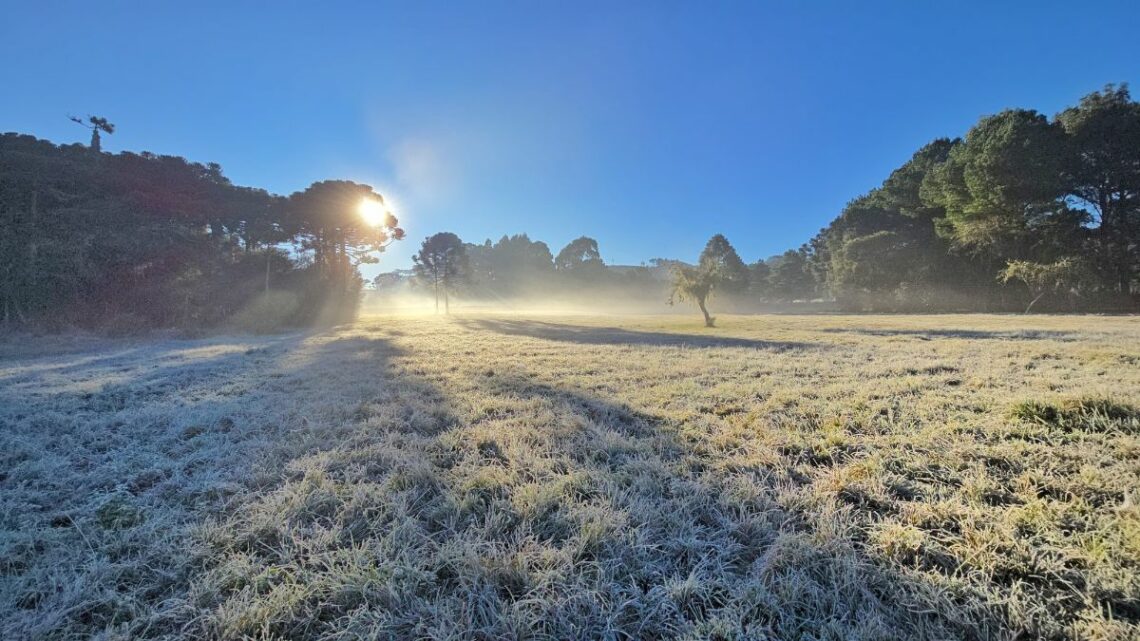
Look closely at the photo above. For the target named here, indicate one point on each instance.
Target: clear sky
(649, 126)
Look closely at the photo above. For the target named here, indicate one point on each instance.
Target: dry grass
(551, 478)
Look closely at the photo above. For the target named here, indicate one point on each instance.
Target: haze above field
(627, 125)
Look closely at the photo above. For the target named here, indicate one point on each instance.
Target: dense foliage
(718, 269)
(976, 223)
(1024, 212)
(140, 240)
(442, 265)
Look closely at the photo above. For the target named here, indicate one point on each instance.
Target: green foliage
(790, 277)
(580, 256)
(513, 265)
(943, 230)
(719, 258)
(442, 265)
(1104, 177)
(96, 124)
(166, 242)
(719, 268)
(1066, 274)
(1002, 187)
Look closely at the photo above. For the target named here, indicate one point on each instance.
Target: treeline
(127, 241)
(518, 269)
(1023, 211)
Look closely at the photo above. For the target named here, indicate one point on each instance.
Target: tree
(95, 124)
(579, 256)
(344, 224)
(758, 273)
(1041, 279)
(693, 284)
(719, 268)
(1103, 176)
(1002, 188)
(789, 277)
(442, 264)
(883, 249)
(512, 265)
(720, 257)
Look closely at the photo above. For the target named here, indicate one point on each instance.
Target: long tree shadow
(113, 482)
(587, 335)
(331, 488)
(679, 542)
(970, 334)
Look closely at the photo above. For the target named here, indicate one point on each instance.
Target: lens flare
(373, 212)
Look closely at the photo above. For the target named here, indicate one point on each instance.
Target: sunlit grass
(554, 477)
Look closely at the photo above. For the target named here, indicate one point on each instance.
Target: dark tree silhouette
(145, 240)
(1103, 176)
(442, 264)
(333, 222)
(580, 255)
(95, 124)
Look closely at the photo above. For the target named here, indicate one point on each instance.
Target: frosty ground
(554, 477)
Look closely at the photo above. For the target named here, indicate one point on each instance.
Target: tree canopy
(164, 241)
(442, 265)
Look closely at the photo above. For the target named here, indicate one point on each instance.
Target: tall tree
(884, 247)
(1002, 188)
(790, 277)
(581, 255)
(718, 269)
(720, 257)
(344, 224)
(1103, 176)
(96, 125)
(442, 264)
(512, 265)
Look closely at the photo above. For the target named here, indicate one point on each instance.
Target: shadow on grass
(112, 479)
(346, 495)
(586, 335)
(969, 334)
(679, 543)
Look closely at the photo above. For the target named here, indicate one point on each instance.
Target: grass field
(482, 477)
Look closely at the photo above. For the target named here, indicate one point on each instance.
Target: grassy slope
(639, 477)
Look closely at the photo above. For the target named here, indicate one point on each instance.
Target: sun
(372, 211)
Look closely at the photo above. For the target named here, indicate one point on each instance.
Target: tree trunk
(1034, 302)
(446, 303)
(708, 319)
(319, 252)
(342, 266)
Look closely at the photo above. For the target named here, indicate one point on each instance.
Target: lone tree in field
(442, 264)
(95, 124)
(719, 269)
(1044, 278)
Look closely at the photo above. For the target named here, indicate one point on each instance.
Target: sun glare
(372, 211)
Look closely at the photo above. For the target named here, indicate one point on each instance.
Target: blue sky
(649, 126)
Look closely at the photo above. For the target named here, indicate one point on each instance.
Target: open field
(541, 477)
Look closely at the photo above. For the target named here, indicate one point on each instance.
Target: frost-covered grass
(540, 477)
